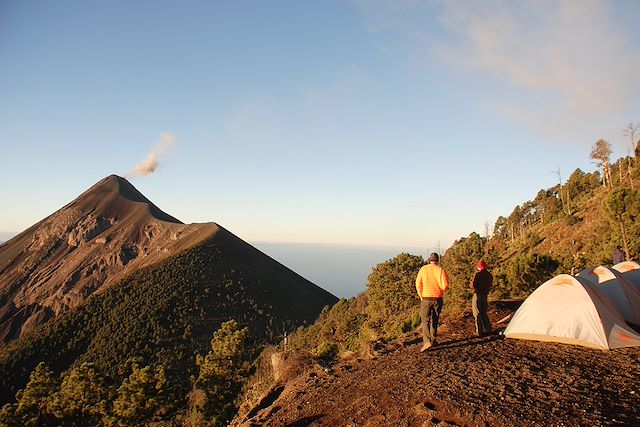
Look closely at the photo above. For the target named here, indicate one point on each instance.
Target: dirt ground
(464, 381)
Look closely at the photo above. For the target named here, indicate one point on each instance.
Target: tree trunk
(620, 171)
(624, 241)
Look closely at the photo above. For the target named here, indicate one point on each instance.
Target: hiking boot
(426, 346)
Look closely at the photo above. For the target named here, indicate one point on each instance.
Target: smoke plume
(150, 163)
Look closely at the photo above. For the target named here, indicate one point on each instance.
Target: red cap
(481, 265)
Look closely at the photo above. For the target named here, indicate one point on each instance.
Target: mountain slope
(464, 380)
(165, 312)
(107, 232)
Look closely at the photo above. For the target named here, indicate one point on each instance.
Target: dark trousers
(479, 308)
(430, 313)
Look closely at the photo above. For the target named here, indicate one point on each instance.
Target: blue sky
(382, 122)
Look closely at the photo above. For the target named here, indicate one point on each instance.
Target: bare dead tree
(438, 248)
(559, 175)
(631, 131)
(566, 208)
(620, 171)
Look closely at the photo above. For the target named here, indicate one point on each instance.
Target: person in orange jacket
(431, 283)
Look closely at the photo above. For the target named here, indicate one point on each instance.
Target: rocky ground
(464, 380)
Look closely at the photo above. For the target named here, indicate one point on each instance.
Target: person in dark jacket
(618, 255)
(481, 285)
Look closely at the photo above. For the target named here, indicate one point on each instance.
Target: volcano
(101, 237)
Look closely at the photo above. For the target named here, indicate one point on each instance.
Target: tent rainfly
(569, 310)
(630, 271)
(623, 294)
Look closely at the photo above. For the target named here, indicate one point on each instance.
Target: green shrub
(391, 287)
(327, 351)
(353, 344)
(571, 220)
(411, 322)
(527, 271)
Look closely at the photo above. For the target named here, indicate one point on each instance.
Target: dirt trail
(464, 380)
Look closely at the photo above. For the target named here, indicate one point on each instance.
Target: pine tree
(222, 372)
(622, 207)
(32, 401)
(83, 396)
(139, 396)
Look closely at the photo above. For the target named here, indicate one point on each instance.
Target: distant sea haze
(339, 269)
(7, 235)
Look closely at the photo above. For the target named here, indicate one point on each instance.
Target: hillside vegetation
(564, 229)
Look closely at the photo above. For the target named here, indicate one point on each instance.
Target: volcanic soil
(463, 380)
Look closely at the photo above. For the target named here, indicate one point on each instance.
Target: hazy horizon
(341, 269)
(7, 235)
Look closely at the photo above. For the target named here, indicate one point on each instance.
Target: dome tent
(623, 294)
(569, 310)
